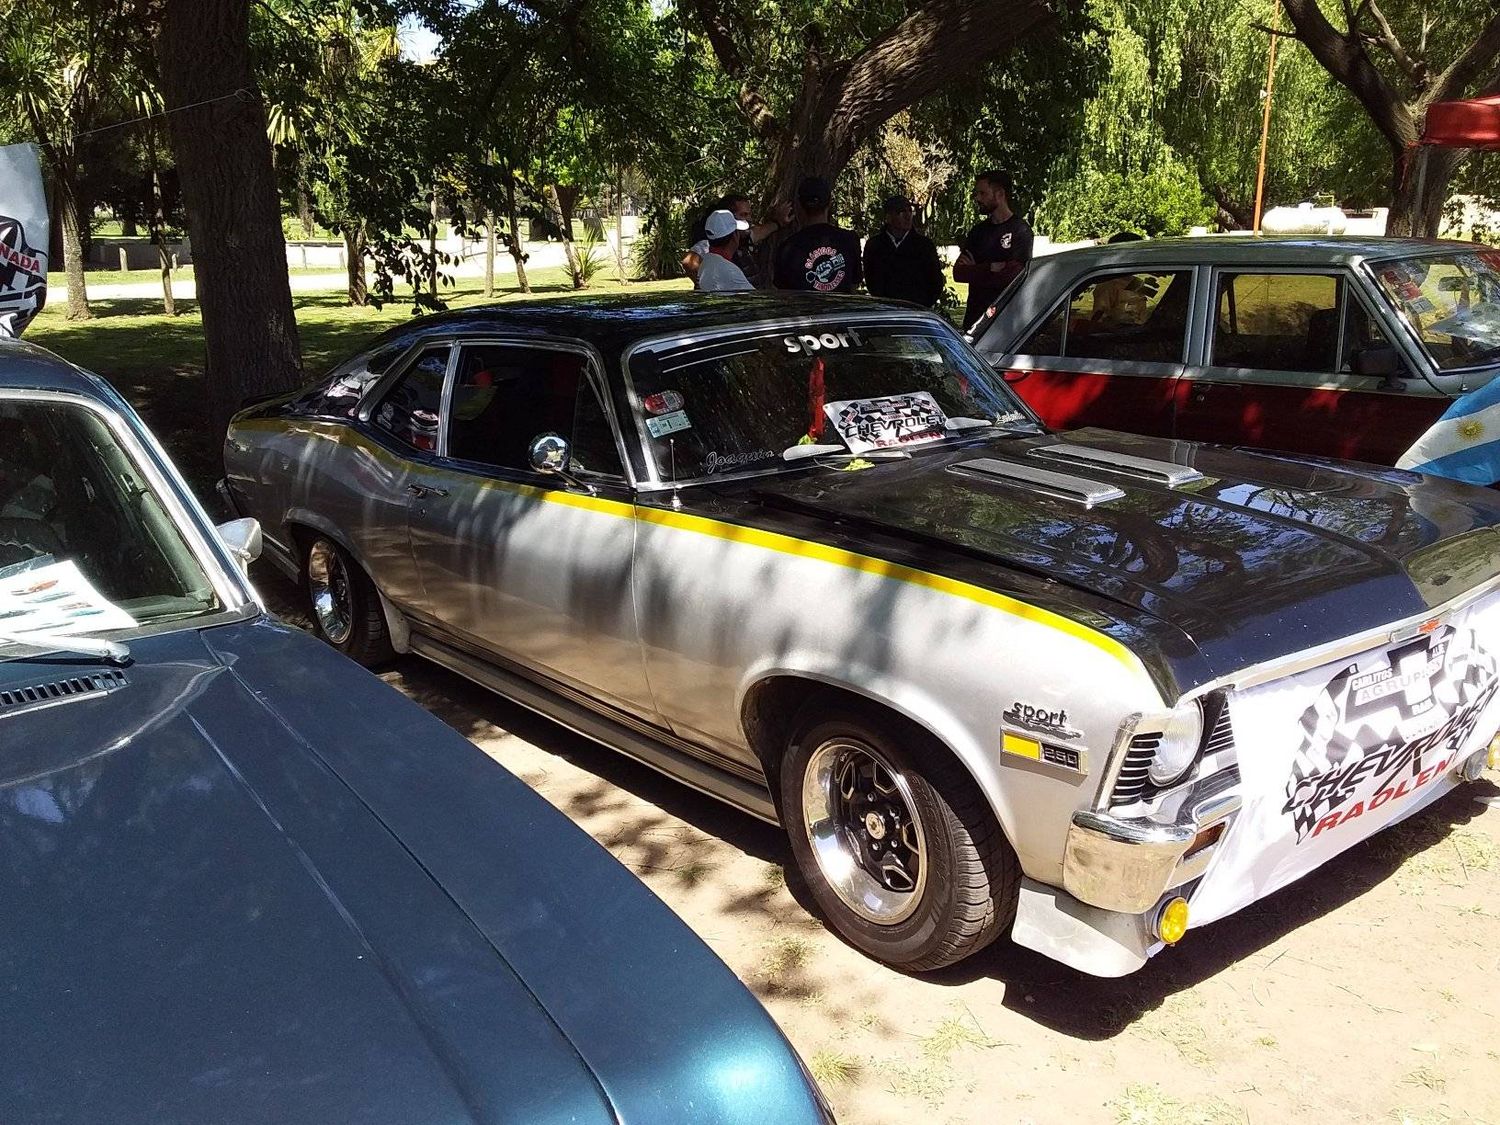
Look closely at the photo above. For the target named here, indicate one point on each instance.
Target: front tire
(895, 841)
(345, 605)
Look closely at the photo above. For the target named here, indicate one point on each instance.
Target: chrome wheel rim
(864, 831)
(328, 583)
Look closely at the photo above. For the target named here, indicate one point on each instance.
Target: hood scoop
(1062, 486)
(1148, 468)
(29, 696)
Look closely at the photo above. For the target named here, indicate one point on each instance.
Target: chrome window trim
(146, 454)
(1267, 671)
(654, 482)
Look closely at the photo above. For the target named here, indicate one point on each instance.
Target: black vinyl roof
(615, 321)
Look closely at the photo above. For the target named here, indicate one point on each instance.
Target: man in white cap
(718, 273)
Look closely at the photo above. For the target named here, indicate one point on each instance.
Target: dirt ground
(1365, 993)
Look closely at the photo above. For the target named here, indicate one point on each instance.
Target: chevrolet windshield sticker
(888, 422)
(1367, 742)
(811, 343)
(1040, 720)
(668, 424)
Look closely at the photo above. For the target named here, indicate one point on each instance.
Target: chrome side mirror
(243, 539)
(549, 453)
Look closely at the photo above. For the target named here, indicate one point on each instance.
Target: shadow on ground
(1042, 990)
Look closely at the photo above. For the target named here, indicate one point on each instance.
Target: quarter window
(505, 396)
(1120, 316)
(410, 410)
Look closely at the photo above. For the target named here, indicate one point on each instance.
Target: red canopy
(1473, 123)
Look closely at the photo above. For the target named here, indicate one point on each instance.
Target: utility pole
(1265, 124)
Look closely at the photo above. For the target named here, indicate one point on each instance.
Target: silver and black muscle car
(813, 557)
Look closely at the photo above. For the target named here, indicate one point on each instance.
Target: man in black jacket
(899, 261)
(821, 257)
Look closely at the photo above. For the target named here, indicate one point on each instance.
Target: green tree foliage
(67, 69)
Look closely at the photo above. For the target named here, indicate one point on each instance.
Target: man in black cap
(820, 257)
(901, 262)
(996, 250)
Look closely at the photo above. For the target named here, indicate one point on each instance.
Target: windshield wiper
(113, 651)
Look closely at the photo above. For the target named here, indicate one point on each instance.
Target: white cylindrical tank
(1304, 219)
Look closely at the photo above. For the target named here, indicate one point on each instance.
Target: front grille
(1133, 782)
(56, 690)
(1221, 734)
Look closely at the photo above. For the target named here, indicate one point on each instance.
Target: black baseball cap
(814, 191)
(898, 203)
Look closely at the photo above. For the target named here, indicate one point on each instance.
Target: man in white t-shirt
(717, 273)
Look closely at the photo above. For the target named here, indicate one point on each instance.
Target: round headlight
(1180, 738)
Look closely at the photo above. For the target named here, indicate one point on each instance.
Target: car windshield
(766, 399)
(1451, 301)
(86, 545)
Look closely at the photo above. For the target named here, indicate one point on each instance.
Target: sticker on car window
(662, 402)
(810, 343)
(668, 424)
(887, 422)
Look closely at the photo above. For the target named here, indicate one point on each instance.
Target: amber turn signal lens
(1494, 761)
(1172, 921)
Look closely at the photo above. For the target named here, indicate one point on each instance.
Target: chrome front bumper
(1127, 864)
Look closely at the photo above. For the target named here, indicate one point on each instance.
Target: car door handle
(423, 491)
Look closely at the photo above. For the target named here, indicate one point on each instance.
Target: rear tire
(344, 603)
(897, 844)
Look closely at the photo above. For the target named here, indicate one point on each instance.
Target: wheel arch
(303, 526)
(771, 701)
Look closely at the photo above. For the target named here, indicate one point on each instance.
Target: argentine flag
(1464, 444)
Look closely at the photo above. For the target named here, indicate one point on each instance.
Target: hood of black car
(1253, 556)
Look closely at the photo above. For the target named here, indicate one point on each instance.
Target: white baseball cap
(721, 224)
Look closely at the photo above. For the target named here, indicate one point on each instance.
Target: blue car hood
(255, 884)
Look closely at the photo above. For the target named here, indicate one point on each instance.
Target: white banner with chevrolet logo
(23, 238)
(1374, 739)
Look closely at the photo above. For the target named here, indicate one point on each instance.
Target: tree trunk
(72, 244)
(619, 247)
(562, 222)
(229, 188)
(1414, 215)
(489, 254)
(432, 231)
(128, 214)
(842, 104)
(156, 224)
(304, 206)
(517, 246)
(354, 263)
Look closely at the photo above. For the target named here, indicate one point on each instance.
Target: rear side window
(1276, 322)
(349, 384)
(1140, 316)
(410, 410)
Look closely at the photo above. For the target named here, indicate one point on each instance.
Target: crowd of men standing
(896, 261)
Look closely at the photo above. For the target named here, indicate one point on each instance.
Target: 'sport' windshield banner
(23, 238)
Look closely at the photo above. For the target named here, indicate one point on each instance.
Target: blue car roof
(25, 366)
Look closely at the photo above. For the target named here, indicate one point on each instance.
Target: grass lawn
(156, 361)
(56, 279)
